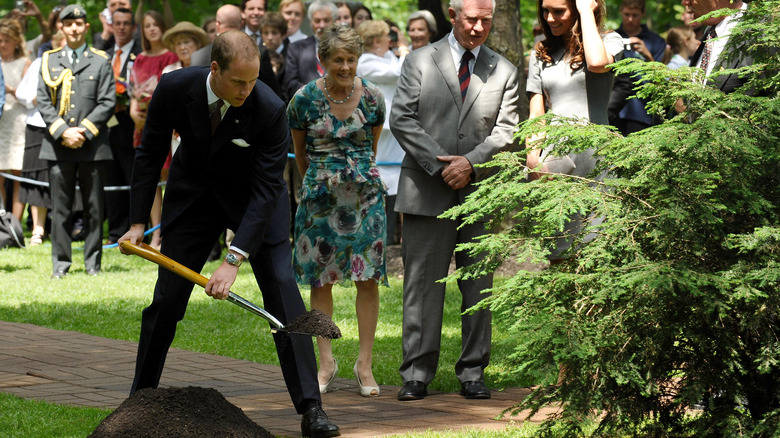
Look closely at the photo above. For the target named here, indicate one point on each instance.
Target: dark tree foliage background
(667, 323)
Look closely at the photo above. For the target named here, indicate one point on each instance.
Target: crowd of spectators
(341, 82)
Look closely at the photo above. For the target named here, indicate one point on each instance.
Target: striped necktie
(464, 75)
(215, 117)
(707, 52)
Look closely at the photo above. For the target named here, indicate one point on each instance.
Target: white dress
(384, 71)
(13, 123)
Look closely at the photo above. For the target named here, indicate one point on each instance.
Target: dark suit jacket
(241, 165)
(300, 68)
(92, 99)
(726, 83)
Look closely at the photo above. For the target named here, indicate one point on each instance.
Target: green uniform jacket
(90, 98)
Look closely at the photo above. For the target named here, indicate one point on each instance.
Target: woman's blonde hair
(335, 38)
(372, 31)
(12, 30)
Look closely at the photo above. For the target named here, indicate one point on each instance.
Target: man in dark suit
(122, 55)
(227, 172)
(76, 98)
(302, 64)
(455, 106)
(711, 54)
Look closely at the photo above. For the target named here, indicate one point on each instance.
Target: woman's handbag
(10, 229)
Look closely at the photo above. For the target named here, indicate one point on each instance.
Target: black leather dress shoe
(58, 275)
(412, 390)
(315, 424)
(474, 390)
(93, 272)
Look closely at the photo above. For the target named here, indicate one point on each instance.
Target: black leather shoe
(315, 424)
(58, 275)
(412, 390)
(474, 390)
(93, 272)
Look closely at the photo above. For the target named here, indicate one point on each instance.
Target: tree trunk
(506, 38)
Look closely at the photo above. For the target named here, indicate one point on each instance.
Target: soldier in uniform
(76, 97)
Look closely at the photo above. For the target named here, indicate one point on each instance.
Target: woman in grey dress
(568, 75)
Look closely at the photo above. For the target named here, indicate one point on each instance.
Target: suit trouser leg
(188, 241)
(62, 183)
(120, 174)
(91, 176)
(281, 297)
(476, 328)
(427, 248)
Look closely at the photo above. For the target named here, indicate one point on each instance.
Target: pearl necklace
(331, 97)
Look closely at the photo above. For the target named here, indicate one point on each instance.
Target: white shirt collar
(211, 97)
(457, 52)
(125, 49)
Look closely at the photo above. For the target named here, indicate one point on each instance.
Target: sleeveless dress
(340, 224)
(13, 124)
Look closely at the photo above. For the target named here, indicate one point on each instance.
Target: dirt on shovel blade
(190, 412)
(315, 323)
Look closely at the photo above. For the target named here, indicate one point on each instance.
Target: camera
(393, 36)
(107, 15)
(20, 5)
(627, 44)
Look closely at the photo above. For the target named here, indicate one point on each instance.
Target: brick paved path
(83, 370)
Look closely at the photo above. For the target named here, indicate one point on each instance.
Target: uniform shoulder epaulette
(99, 52)
(54, 50)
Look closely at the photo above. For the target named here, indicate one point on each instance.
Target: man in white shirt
(716, 36)
(252, 11)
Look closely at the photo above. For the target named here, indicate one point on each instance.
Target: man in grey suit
(455, 107)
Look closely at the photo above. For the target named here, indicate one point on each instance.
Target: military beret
(71, 12)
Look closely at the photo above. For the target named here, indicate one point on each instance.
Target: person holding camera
(629, 115)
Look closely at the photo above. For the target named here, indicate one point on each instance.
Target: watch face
(231, 259)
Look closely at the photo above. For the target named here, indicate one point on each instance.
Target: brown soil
(315, 323)
(190, 412)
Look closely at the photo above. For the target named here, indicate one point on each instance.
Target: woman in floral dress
(340, 222)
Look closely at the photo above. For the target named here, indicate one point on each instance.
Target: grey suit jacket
(429, 118)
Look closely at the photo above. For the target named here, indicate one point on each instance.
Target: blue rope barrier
(146, 233)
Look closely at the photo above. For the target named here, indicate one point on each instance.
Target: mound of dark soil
(315, 323)
(190, 412)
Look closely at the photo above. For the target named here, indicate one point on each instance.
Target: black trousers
(63, 177)
(189, 240)
(119, 174)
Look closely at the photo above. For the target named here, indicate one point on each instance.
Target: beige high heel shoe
(365, 391)
(326, 387)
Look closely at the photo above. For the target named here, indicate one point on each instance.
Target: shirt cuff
(240, 251)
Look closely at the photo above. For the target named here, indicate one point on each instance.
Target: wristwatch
(232, 259)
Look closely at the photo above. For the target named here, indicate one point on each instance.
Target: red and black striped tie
(464, 75)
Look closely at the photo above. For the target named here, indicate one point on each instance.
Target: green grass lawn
(110, 305)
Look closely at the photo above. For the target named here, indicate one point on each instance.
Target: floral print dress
(340, 225)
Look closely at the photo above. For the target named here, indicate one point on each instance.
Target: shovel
(318, 323)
